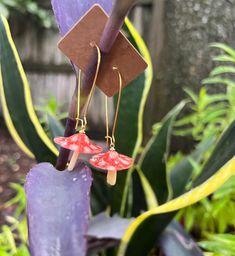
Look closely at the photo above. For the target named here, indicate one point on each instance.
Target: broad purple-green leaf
(58, 210)
(68, 12)
(105, 232)
(176, 241)
(105, 227)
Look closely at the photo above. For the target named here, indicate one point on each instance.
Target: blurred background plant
(158, 175)
(30, 8)
(14, 234)
(51, 117)
(210, 115)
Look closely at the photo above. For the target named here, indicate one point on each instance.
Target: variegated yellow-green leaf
(212, 184)
(16, 101)
(154, 157)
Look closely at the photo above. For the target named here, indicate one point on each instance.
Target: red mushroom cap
(80, 143)
(111, 161)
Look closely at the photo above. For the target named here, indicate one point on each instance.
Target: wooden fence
(49, 72)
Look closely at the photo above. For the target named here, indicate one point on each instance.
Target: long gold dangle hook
(107, 137)
(111, 160)
(112, 145)
(94, 81)
(75, 154)
(78, 98)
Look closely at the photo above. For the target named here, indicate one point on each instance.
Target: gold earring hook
(84, 120)
(78, 98)
(92, 44)
(107, 121)
(112, 137)
(112, 141)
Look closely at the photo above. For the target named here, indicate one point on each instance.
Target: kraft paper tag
(76, 46)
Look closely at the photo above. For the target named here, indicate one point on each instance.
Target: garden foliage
(149, 192)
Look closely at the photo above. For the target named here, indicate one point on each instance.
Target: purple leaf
(58, 209)
(106, 232)
(175, 241)
(104, 227)
(68, 12)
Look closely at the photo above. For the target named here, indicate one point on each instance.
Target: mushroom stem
(112, 177)
(73, 160)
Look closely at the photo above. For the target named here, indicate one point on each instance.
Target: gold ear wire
(112, 137)
(107, 120)
(94, 80)
(78, 98)
(84, 120)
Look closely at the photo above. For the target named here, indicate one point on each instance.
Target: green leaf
(3, 10)
(147, 223)
(182, 172)
(150, 196)
(154, 225)
(218, 80)
(3, 252)
(222, 244)
(191, 94)
(223, 58)
(157, 220)
(16, 101)
(223, 151)
(153, 159)
(18, 199)
(22, 251)
(129, 133)
(222, 70)
(10, 238)
(55, 127)
(100, 198)
(225, 48)
(226, 190)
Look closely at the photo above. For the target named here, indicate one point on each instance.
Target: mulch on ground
(14, 165)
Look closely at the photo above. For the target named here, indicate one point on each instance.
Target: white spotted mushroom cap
(80, 143)
(111, 161)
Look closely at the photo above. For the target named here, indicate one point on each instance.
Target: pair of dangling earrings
(79, 143)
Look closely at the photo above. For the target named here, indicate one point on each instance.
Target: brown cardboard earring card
(76, 45)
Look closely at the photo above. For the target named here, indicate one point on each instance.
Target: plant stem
(64, 153)
(109, 35)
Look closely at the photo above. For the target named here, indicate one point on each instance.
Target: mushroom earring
(80, 143)
(111, 160)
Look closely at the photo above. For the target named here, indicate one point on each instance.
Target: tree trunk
(179, 38)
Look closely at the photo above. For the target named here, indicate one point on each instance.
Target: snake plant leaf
(58, 209)
(144, 186)
(151, 187)
(68, 12)
(16, 102)
(130, 121)
(99, 193)
(182, 172)
(55, 127)
(153, 159)
(223, 151)
(174, 241)
(139, 226)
